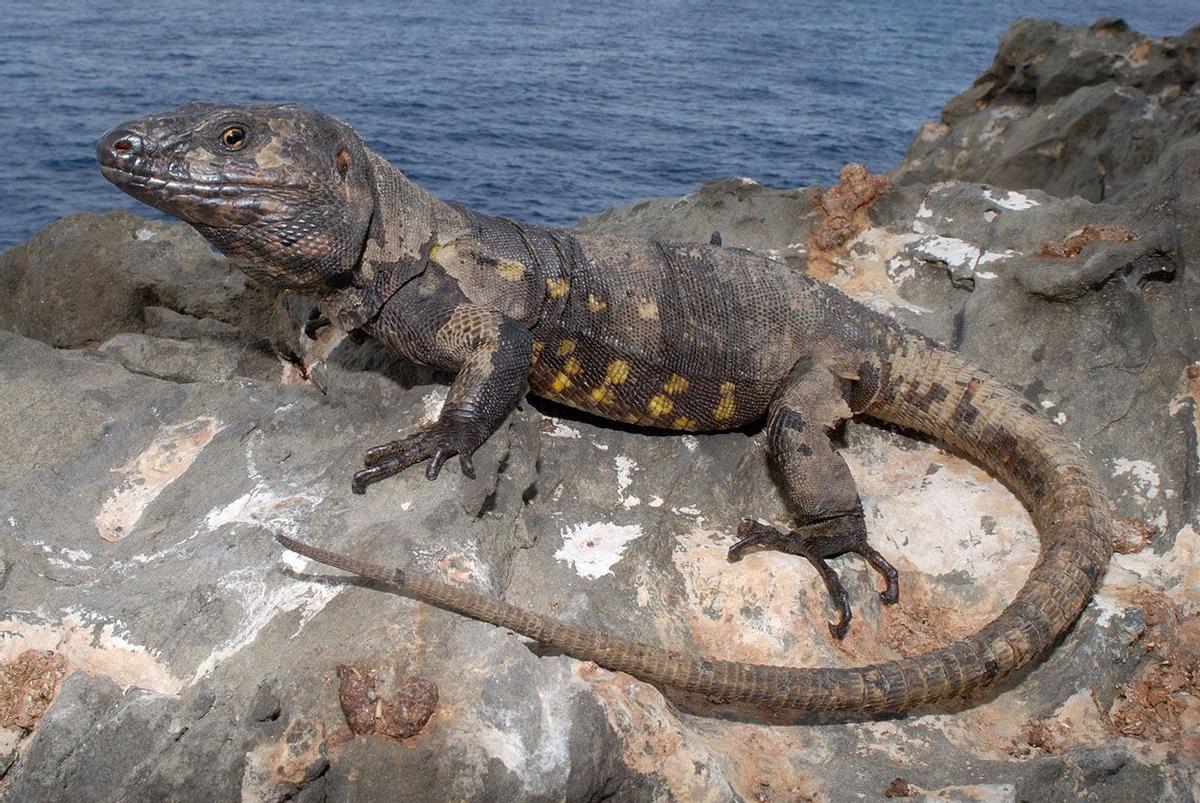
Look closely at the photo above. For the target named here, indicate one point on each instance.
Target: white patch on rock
(143, 235)
(1060, 419)
(954, 252)
(1143, 474)
(690, 442)
(1176, 573)
(266, 507)
(625, 468)
(562, 430)
(655, 502)
(1011, 200)
(593, 548)
(961, 257)
(260, 606)
(167, 457)
(539, 756)
(294, 561)
(92, 642)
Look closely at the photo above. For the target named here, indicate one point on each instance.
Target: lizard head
(282, 189)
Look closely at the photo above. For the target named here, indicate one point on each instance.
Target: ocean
(535, 110)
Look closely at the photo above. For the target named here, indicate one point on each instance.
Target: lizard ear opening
(343, 162)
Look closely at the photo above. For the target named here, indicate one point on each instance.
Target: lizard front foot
(816, 541)
(436, 443)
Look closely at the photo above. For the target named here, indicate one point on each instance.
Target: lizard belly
(589, 374)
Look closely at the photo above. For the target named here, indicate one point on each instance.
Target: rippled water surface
(534, 110)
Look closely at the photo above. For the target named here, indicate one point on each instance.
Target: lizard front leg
(493, 354)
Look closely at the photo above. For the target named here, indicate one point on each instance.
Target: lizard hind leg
(819, 487)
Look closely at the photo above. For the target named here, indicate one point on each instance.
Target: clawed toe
(375, 473)
(751, 533)
(891, 593)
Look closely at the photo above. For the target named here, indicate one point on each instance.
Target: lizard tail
(932, 390)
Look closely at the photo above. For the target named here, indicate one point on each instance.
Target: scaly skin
(685, 337)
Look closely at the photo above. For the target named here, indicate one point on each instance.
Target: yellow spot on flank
(537, 348)
(565, 347)
(676, 384)
(572, 367)
(647, 309)
(594, 304)
(557, 288)
(659, 405)
(561, 382)
(724, 408)
(683, 422)
(727, 388)
(618, 372)
(604, 396)
(510, 270)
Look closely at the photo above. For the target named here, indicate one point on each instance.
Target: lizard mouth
(221, 202)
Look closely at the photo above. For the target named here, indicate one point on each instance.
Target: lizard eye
(234, 138)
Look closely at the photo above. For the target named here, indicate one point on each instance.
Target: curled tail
(926, 388)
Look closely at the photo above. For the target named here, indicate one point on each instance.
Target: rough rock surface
(162, 416)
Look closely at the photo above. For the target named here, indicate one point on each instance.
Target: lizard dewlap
(676, 336)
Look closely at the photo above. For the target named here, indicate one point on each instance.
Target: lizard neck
(404, 224)
(404, 219)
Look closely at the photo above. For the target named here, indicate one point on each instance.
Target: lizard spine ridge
(934, 391)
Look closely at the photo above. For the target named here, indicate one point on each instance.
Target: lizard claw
(752, 533)
(435, 464)
(315, 323)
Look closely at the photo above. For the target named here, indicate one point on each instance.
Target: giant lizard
(688, 337)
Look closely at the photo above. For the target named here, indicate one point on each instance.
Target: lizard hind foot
(817, 541)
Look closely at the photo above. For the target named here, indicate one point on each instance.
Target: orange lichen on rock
(1076, 241)
(377, 699)
(1166, 694)
(27, 687)
(1036, 737)
(844, 207)
(901, 788)
(1131, 536)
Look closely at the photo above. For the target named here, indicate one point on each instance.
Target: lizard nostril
(122, 146)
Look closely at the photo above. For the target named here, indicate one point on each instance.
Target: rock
(1072, 111)
(143, 479)
(166, 358)
(88, 277)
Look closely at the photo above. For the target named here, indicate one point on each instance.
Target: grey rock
(166, 322)
(175, 360)
(1073, 111)
(87, 277)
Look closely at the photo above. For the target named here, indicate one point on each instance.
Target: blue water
(534, 110)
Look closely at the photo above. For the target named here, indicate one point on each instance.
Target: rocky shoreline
(163, 416)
